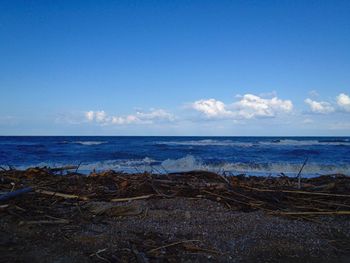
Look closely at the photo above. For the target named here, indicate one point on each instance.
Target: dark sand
(191, 217)
(223, 236)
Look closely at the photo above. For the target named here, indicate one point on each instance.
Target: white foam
(289, 142)
(231, 143)
(90, 142)
(208, 142)
(190, 163)
(187, 163)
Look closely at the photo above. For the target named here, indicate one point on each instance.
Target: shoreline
(198, 215)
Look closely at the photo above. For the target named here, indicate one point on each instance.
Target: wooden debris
(127, 199)
(46, 222)
(276, 195)
(314, 213)
(172, 244)
(16, 193)
(66, 196)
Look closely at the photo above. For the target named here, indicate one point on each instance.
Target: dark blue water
(249, 155)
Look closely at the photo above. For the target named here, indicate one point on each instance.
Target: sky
(230, 68)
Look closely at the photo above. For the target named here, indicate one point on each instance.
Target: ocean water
(230, 155)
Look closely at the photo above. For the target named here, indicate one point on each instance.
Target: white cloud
(343, 101)
(249, 106)
(101, 116)
(212, 108)
(140, 117)
(322, 107)
(159, 114)
(90, 115)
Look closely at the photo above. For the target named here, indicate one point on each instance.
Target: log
(131, 198)
(16, 193)
(64, 168)
(295, 192)
(314, 213)
(66, 196)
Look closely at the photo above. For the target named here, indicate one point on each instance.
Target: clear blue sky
(151, 67)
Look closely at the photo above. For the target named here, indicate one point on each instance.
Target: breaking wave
(191, 163)
(88, 143)
(207, 142)
(232, 143)
(289, 142)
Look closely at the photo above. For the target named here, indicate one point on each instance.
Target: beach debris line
(277, 195)
(39, 197)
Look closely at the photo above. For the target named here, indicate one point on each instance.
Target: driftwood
(46, 222)
(16, 193)
(131, 198)
(65, 168)
(66, 196)
(325, 195)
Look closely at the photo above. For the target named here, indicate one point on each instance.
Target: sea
(267, 156)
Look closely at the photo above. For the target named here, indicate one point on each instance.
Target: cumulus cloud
(343, 101)
(249, 106)
(322, 107)
(212, 108)
(139, 117)
(90, 115)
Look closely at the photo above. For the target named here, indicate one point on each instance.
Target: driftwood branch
(16, 193)
(66, 196)
(131, 198)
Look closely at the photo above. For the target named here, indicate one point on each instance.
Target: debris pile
(43, 196)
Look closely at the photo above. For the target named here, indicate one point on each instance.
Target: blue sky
(174, 67)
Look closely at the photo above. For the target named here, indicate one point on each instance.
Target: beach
(184, 217)
(174, 131)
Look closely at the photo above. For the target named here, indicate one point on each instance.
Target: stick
(315, 213)
(68, 167)
(16, 193)
(295, 192)
(172, 244)
(48, 222)
(67, 196)
(76, 170)
(3, 207)
(131, 198)
(299, 174)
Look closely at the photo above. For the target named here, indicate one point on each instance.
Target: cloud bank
(248, 107)
(324, 107)
(321, 107)
(343, 101)
(244, 107)
(154, 115)
(212, 108)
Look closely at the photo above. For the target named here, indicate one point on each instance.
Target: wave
(207, 142)
(191, 163)
(334, 140)
(290, 142)
(282, 142)
(88, 143)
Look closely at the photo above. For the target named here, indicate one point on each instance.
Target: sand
(221, 235)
